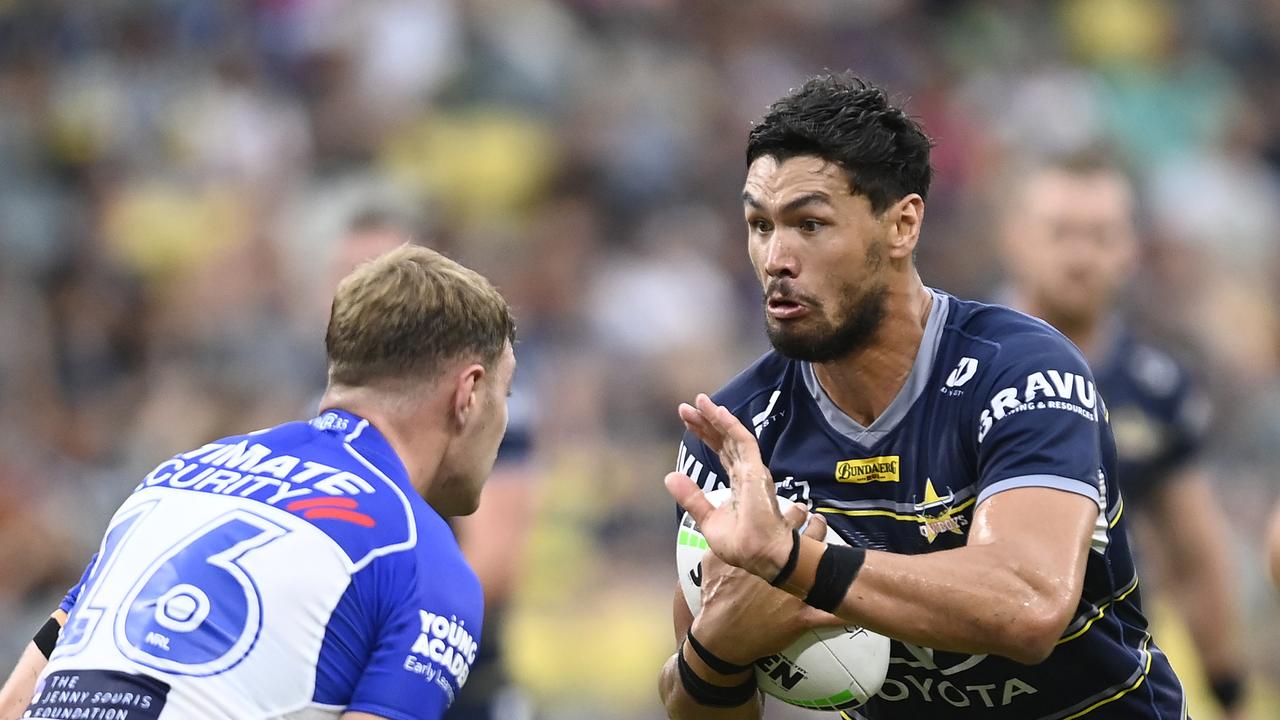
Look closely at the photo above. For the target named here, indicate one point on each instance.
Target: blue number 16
(196, 611)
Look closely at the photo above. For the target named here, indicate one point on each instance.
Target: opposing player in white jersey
(305, 571)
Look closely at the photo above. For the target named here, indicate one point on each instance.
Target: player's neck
(864, 383)
(416, 442)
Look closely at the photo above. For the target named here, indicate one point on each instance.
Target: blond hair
(405, 314)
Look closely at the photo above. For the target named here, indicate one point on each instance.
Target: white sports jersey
(290, 573)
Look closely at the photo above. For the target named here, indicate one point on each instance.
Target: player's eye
(759, 225)
(811, 225)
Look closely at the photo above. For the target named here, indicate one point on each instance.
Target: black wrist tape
(47, 637)
(1228, 690)
(705, 693)
(837, 569)
(713, 661)
(790, 565)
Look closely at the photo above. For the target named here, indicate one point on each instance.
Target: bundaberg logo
(883, 468)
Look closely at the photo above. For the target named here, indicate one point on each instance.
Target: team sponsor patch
(1042, 390)
(444, 648)
(98, 695)
(883, 468)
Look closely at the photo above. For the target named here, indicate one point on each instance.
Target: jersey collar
(917, 379)
(365, 439)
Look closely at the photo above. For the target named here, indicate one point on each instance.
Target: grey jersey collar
(915, 384)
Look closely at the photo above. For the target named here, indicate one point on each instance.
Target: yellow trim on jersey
(898, 516)
(1119, 512)
(1102, 610)
(1136, 684)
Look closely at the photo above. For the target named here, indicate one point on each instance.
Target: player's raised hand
(747, 531)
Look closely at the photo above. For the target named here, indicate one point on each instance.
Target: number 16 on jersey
(194, 610)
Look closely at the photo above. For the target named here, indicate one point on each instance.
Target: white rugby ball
(826, 669)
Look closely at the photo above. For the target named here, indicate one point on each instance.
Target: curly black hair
(844, 119)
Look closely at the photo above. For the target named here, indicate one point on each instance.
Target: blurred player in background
(1070, 242)
(296, 572)
(492, 536)
(961, 448)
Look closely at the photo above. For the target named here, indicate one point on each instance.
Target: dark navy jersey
(289, 573)
(996, 400)
(1158, 415)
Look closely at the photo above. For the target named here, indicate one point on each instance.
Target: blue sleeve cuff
(1055, 482)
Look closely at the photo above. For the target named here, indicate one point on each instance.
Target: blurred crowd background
(176, 177)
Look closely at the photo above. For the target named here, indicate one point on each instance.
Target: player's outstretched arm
(1011, 591)
(21, 685)
(17, 691)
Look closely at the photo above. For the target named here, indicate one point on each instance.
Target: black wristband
(724, 667)
(790, 565)
(1228, 690)
(837, 569)
(47, 637)
(711, 695)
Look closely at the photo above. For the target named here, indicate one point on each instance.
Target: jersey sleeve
(427, 637)
(1038, 424)
(73, 595)
(392, 685)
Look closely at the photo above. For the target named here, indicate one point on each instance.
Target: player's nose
(780, 259)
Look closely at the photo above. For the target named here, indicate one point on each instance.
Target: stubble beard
(863, 313)
(830, 342)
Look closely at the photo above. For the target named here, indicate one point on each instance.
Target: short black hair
(844, 119)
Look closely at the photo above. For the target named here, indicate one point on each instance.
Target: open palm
(747, 530)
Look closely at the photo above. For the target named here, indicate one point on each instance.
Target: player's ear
(906, 216)
(465, 399)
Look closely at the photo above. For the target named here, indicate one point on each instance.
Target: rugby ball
(825, 669)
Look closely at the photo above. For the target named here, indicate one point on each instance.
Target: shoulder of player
(1010, 339)
(430, 556)
(432, 576)
(319, 477)
(752, 395)
(437, 561)
(1000, 348)
(436, 544)
(755, 385)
